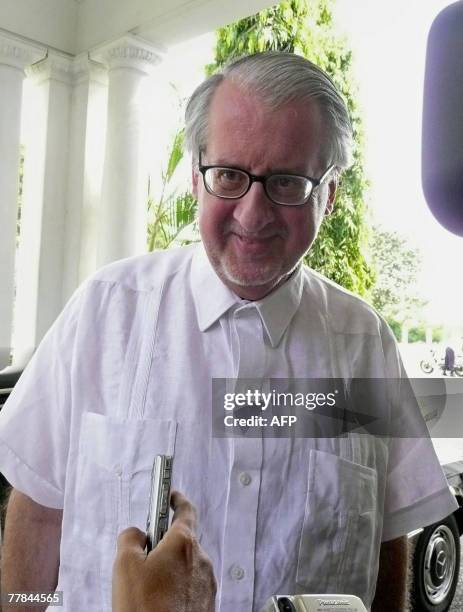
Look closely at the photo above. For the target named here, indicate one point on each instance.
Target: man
(449, 361)
(126, 373)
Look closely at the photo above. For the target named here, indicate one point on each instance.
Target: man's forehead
(242, 125)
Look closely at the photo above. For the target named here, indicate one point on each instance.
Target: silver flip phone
(314, 603)
(158, 513)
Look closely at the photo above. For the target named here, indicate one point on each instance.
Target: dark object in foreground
(442, 148)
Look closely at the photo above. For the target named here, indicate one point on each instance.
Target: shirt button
(236, 572)
(245, 479)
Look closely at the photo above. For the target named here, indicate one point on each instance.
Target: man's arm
(30, 551)
(391, 588)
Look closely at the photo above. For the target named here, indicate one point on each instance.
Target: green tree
(306, 29)
(172, 212)
(417, 334)
(395, 294)
(437, 333)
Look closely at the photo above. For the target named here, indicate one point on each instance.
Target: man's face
(252, 243)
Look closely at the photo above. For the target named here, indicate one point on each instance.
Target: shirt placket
(245, 472)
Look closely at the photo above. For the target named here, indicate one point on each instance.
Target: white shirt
(125, 373)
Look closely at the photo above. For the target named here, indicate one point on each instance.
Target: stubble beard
(250, 274)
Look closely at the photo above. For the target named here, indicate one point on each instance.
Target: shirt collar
(279, 307)
(212, 298)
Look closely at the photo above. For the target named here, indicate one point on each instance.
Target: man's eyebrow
(222, 161)
(226, 163)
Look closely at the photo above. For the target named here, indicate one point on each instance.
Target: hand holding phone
(157, 522)
(176, 575)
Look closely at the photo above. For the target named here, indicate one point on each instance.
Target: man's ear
(332, 188)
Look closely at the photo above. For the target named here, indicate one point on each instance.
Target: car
(436, 548)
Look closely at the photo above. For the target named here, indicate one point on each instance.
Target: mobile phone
(159, 505)
(314, 603)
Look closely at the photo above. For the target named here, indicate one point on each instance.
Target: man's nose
(254, 211)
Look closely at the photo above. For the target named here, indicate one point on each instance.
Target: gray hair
(277, 78)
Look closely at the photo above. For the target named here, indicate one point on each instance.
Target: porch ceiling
(74, 26)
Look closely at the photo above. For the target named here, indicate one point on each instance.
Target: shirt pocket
(112, 487)
(113, 472)
(340, 527)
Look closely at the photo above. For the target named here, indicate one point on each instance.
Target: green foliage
(417, 334)
(395, 294)
(176, 154)
(172, 212)
(437, 333)
(306, 29)
(396, 328)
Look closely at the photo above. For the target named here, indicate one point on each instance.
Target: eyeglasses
(232, 183)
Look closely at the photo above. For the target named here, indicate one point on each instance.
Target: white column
(14, 57)
(42, 245)
(86, 157)
(123, 221)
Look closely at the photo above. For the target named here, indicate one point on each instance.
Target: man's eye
(287, 182)
(230, 177)
(229, 181)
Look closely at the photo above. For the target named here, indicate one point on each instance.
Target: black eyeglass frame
(255, 178)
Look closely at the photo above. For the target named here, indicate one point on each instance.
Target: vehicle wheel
(436, 563)
(459, 370)
(426, 366)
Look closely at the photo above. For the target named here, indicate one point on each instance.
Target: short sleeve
(417, 494)
(34, 422)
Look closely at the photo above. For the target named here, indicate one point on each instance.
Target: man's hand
(176, 575)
